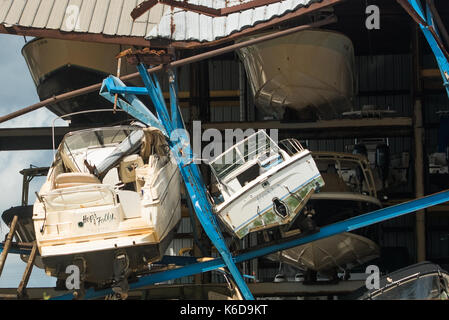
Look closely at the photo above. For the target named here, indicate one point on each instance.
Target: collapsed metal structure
(432, 28)
(172, 125)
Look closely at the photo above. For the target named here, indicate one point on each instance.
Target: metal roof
(109, 17)
(112, 18)
(191, 26)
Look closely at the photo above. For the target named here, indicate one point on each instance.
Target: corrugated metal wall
(224, 75)
(177, 244)
(437, 223)
(438, 238)
(385, 81)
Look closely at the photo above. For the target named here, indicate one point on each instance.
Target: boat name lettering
(98, 220)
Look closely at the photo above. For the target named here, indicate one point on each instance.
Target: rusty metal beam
(320, 125)
(175, 64)
(21, 290)
(407, 7)
(212, 12)
(258, 27)
(162, 43)
(81, 36)
(40, 138)
(147, 5)
(415, 16)
(191, 291)
(439, 42)
(8, 296)
(8, 242)
(328, 129)
(438, 21)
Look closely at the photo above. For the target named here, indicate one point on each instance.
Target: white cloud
(17, 90)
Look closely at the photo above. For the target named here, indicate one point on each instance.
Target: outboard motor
(383, 161)
(120, 272)
(361, 150)
(280, 208)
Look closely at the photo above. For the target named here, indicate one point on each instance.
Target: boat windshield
(93, 145)
(258, 148)
(344, 172)
(423, 288)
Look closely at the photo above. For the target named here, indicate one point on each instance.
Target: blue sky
(17, 90)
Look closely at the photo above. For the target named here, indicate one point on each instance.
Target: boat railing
(78, 197)
(291, 146)
(72, 114)
(354, 170)
(257, 146)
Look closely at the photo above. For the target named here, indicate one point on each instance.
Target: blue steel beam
(416, 5)
(327, 231)
(166, 260)
(131, 104)
(15, 250)
(426, 23)
(176, 116)
(435, 42)
(180, 145)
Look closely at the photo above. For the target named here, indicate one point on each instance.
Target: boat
(110, 204)
(341, 252)
(24, 232)
(58, 66)
(420, 281)
(262, 186)
(24, 227)
(311, 72)
(349, 191)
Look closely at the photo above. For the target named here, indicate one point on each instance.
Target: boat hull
(99, 263)
(345, 250)
(131, 213)
(24, 227)
(58, 66)
(97, 234)
(255, 209)
(310, 71)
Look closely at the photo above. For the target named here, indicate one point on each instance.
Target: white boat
(110, 204)
(262, 186)
(311, 71)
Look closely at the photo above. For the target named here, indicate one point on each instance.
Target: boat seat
(74, 179)
(333, 183)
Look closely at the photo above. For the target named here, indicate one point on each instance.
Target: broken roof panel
(181, 25)
(113, 17)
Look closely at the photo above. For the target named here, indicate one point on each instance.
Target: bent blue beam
(327, 231)
(176, 116)
(430, 31)
(14, 250)
(166, 260)
(132, 105)
(180, 145)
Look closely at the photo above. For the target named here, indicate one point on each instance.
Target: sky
(17, 90)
